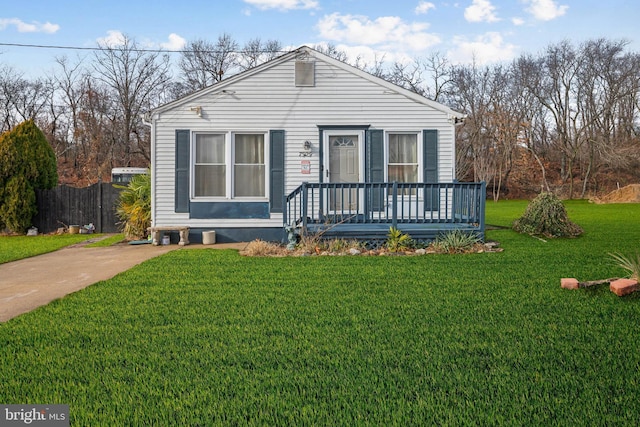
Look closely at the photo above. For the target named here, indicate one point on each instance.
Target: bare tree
(332, 51)
(21, 99)
(137, 78)
(439, 69)
(408, 76)
(256, 52)
(204, 63)
(607, 83)
(68, 83)
(470, 92)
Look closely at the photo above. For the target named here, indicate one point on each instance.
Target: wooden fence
(64, 206)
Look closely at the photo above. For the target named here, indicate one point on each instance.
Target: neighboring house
(308, 141)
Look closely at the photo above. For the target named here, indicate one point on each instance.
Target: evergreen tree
(27, 163)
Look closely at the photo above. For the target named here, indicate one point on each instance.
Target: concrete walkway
(33, 282)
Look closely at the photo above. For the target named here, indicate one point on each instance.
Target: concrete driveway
(33, 282)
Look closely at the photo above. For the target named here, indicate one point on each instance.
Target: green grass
(109, 241)
(206, 337)
(13, 248)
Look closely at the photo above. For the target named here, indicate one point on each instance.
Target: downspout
(147, 120)
(457, 121)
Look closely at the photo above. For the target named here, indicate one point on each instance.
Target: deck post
(285, 211)
(394, 206)
(305, 208)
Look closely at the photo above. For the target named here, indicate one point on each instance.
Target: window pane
(249, 181)
(403, 173)
(210, 181)
(403, 158)
(249, 149)
(249, 168)
(210, 148)
(403, 148)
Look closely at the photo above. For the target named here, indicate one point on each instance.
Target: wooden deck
(366, 211)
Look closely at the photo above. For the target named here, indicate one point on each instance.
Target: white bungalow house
(308, 142)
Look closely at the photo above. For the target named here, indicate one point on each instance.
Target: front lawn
(207, 337)
(13, 248)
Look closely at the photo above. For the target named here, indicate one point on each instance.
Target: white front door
(343, 158)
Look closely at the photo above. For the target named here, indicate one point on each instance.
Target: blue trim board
(234, 235)
(229, 210)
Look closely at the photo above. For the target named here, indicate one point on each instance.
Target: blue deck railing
(356, 209)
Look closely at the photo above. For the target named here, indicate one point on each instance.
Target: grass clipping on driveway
(209, 337)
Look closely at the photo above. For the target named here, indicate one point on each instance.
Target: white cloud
(34, 27)
(545, 10)
(283, 4)
(112, 39)
(175, 42)
(424, 7)
(484, 49)
(517, 21)
(389, 32)
(481, 11)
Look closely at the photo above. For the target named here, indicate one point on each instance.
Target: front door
(344, 154)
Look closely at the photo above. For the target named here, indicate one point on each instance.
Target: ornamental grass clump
(546, 216)
(456, 242)
(629, 263)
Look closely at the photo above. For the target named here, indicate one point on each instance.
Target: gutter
(147, 120)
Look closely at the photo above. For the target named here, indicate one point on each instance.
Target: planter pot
(208, 237)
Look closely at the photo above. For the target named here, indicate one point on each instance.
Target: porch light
(306, 146)
(197, 110)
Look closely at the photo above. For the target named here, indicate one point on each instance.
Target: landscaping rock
(623, 287)
(354, 251)
(569, 283)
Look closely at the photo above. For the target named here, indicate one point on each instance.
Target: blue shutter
(276, 161)
(374, 154)
(183, 143)
(430, 167)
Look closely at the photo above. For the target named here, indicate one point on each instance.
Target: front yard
(207, 337)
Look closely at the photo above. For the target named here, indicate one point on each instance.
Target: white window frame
(229, 146)
(419, 148)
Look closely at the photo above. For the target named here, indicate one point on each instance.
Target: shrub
(398, 241)
(134, 206)
(546, 216)
(28, 163)
(455, 242)
(18, 204)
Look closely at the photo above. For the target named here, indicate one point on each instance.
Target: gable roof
(307, 51)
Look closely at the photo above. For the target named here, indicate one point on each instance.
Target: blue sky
(487, 30)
